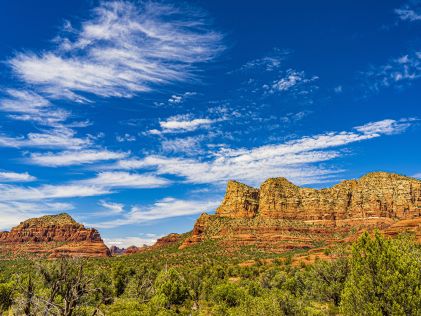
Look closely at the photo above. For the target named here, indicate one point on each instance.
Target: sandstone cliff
(53, 236)
(240, 201)
(378, 194)
(280, 215)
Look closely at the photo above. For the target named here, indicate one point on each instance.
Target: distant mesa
(52, 236)
(280, 216)
(167, 240)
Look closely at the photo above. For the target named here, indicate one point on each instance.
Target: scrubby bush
(384, 278)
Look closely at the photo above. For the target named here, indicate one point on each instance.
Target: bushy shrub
(384, 278)
(228, 293)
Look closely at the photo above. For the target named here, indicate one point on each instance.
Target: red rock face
(167, 240)
(241, 201)
(281, 215)
(199, 231)
(377, 194)
(55, 236)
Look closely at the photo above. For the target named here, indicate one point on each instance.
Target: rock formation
(282, 215)
(241, 201)
(167, 240)
(114, 250)
(164, 241)
(378, 194)
(53, 236)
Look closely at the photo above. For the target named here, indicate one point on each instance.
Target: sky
(131, 116)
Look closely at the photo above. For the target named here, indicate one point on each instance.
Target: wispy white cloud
(145, 239)
(183, 123)
(68, 158)
(102, 184)
(165, 208)
(62, 137)
(410, 12)
(8, 176)
(188, 145)
(338, 89)
(29, 106)
(12, 193)
(111, 208)
(55, 132)
(125, 180)
(296, 159)
(386, 127)
(417, 175)
(396, 73)
(125, 138)
(271, 62)
(294, 117)
(123, 49)
(177, 99)
(292, 81)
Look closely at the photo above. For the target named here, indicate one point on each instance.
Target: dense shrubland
(376, 276)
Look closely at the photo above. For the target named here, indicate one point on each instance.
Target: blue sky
(131, 116)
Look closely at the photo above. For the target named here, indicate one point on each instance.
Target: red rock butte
(52, 236)
(281, 216)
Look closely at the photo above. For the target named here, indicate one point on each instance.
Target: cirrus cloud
(123, 49)
(69, 158)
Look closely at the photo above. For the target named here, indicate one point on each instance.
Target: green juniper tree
(384, 278)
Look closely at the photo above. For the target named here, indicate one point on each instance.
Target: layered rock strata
(53, 236)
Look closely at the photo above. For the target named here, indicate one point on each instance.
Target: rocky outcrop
(377, 194)
(55, 236)
(281, 215)
(170, 239)
(114, 250)
(199, 231)
(240, 201)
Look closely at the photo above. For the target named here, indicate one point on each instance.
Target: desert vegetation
(375, 275)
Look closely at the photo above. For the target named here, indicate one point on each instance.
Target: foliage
(377, 276)
(6, 295)
(384, 278)
(172, 287)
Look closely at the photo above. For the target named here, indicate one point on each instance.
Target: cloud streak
(410, 12)
(57, 138)
(293, 80)
(165, 208)
(295, 159)
(103, 183)
(183, 123)
(69, 158)
(123, 49)
(398, 72)
(8, 176)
